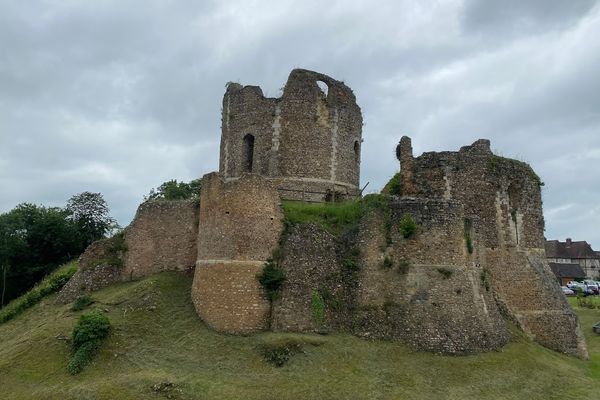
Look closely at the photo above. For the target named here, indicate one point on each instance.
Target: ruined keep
(307, 141)
(443, 260)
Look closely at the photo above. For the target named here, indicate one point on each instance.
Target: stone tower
(307, 141)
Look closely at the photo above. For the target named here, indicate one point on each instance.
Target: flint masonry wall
(94, 273)
(241, 223)
(504, 198)
(411, 300)
(307, 140)
(161, 237)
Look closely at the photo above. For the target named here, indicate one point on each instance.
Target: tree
(91, 214)
(173, 190)
(34, 240)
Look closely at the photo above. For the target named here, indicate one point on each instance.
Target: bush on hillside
(88, 334)
(81, 302)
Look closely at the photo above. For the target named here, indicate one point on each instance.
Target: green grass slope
(157, 338)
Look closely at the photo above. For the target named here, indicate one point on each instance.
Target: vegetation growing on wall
(115, 249)
(88, 334)
(335, 218)
(387, 262)
(271, 278)
(403, 267)
(446, 273)
(407, 226)
(468, 238)
(495, 163)
(394, 185)
(485, 280)
(317, 308)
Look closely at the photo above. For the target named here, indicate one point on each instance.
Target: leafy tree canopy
(90, 212)
(35, 239)
(173, 190)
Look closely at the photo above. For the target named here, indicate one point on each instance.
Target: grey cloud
(118, 97)
(514, 16)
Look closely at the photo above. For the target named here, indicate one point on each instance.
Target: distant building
(570, 252)
(566, 272)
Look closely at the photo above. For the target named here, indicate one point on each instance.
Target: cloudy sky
(118, 96)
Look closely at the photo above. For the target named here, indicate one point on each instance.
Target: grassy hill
(157, 338)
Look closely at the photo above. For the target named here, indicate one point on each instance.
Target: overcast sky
(120, 96)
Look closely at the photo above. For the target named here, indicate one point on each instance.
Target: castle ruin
(307, 141)
(473, 263)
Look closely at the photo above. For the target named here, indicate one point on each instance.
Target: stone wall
(430, 295)
(502, 200)
(308, 140)
(240, 222)
(96, 271)
(162, 237)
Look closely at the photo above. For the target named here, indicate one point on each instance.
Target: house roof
(569, 249)
(563, 270)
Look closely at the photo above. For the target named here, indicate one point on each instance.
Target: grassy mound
(159, 348)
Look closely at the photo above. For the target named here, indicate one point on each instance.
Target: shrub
(350, 264)
(468, 238)
(395, 185)
(89, 332)
(271, 278)
(81, 302)
(317, 307)
(387, 263)
(53, 283)
(403, 267)
(445, 272)
(408, 226)
(279, 354)
(115, 247)
(485, 280)
(330, 299)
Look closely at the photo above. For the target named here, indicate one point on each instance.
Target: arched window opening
(324, 88)
(356, 151)
(248, 153)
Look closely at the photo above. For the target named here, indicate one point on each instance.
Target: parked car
(567, 291)
(578, 286)
(592, 285)
(572, 284)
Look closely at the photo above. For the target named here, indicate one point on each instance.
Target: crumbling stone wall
(502, 198)
(240, 225)
(161, 237)
(308, 141)
(431, 296)
(96, 271)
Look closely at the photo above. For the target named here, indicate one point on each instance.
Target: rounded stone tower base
(229, 298)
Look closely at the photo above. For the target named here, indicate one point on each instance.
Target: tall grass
(333, 217)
